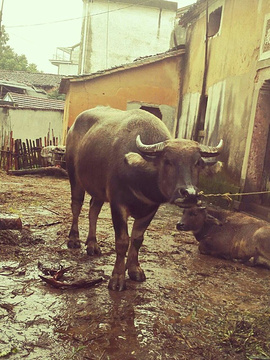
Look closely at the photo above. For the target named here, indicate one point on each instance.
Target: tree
(9, 60)
(55, 95)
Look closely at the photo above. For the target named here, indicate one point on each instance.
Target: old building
(26, 112)
(151, 83)
(39, 84)
(117, 32)
(222, 89)
(30, 117)
(67, 59)
(226, 92)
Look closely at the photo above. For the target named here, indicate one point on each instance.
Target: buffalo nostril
(179, 226)
(184, 192)
(188, 192)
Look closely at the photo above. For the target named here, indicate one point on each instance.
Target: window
(214, 22)
(265, 43)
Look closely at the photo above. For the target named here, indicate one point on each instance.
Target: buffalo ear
(135, 160)
(211, 167)
(212, 220)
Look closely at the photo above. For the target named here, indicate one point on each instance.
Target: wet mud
(191, 306)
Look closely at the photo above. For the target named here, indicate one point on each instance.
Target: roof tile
(37, 79)
(31, 102)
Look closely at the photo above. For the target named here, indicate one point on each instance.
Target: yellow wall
(233, 51)
(155, 83)
(233, 70)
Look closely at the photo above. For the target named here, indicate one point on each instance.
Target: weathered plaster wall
(187, 122)
(155, 84)
(233, 55)
(119, 32)
(259, 141)
(30, 124)
(5, 124)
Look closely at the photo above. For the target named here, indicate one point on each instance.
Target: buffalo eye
(167, 162)
(200, 163)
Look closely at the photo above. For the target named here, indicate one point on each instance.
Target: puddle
(190, 307)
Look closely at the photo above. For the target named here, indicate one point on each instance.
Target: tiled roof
(160, 4)
(194, 12)
(31, 102)
(37, 79)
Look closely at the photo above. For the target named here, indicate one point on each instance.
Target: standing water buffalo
(229, 235)
(107, 156)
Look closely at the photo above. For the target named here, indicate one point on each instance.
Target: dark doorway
(258, 173)
(153, 110)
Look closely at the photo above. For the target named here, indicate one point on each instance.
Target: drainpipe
(84, 40)
(203, 90)
(180, 100)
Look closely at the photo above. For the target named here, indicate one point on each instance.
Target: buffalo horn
(149, 148)
(209, 151)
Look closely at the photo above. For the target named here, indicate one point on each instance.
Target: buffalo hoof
(93, 249)
(137, 275)
(117, 283)
(74, 244)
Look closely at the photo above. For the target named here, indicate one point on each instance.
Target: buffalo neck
(203, 232)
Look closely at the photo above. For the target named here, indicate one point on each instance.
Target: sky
(37, 27)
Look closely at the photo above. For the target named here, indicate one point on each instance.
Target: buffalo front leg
(91, 242)
(77, 198)
(119, 217)
(135, 272)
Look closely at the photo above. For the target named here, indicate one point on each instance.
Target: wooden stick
(43, 171)
(75, 285)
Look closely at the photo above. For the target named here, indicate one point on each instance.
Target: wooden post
(204, 81)
(8, 159)
(12, 157)
(8, 222)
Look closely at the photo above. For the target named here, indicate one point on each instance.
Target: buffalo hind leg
(77, 198)
(119, 218)
(91, 242)
(135, 272)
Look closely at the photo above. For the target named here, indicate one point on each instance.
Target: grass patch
(246, 333)
(218, 184)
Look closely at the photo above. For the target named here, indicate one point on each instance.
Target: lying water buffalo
(229, 235)
(129, 159)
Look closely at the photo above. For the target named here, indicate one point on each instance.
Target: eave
(64, 85)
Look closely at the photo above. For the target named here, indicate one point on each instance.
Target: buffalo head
(176, 164)
(195, 218)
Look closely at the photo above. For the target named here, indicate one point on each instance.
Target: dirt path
(190, 307)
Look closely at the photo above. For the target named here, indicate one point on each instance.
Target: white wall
(30, 124)
(67, 69)
(118, 33)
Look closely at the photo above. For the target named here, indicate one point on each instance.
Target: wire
(41, 24)
(78, 18)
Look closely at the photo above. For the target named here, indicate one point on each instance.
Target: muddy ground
(190, 307)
